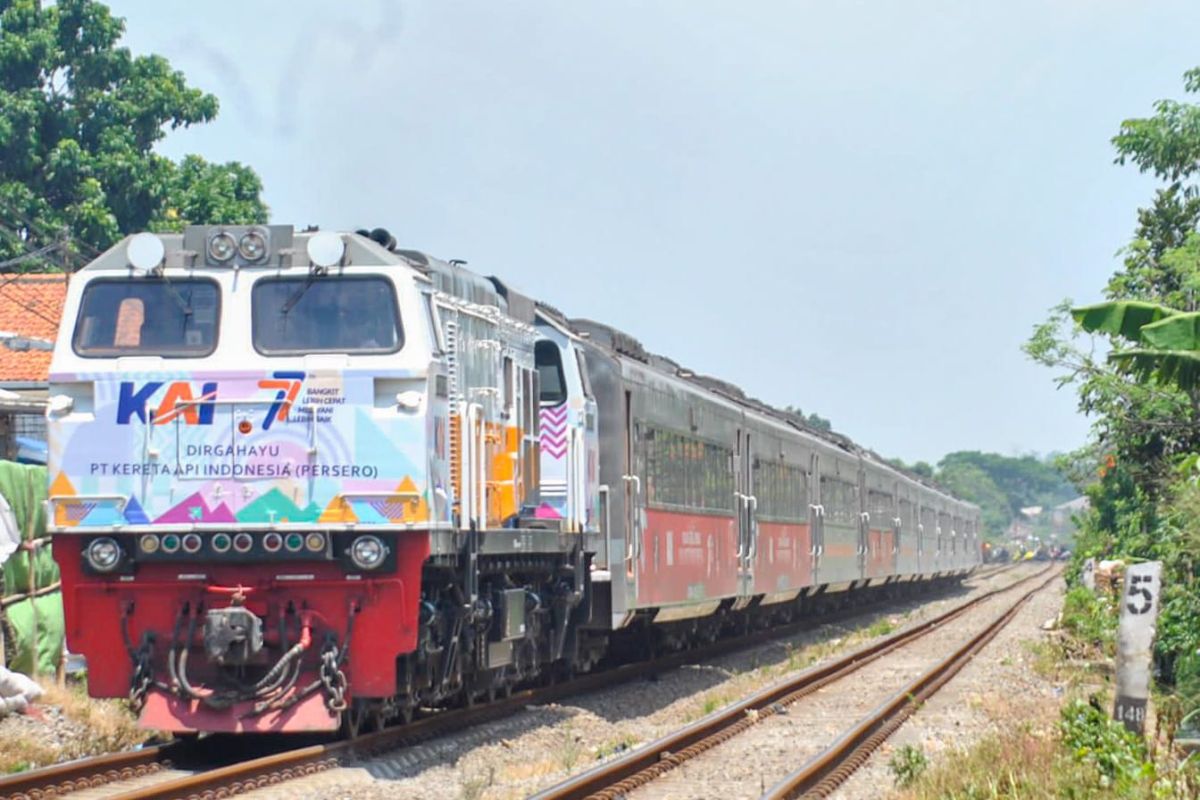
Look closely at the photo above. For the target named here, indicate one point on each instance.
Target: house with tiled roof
(30, 309)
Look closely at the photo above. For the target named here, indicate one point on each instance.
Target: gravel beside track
(749, 764)
(998, 687)
(516, 756)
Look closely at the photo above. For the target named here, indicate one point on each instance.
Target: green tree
(1146, 424)
(971, 483)
(79, 117)
(1022, 480)
(814, 420)
(1168, 351)
(1144, 397)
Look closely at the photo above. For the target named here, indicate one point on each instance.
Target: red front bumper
(385, 611)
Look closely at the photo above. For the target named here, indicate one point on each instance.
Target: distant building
(1061, 516)
(30, 309)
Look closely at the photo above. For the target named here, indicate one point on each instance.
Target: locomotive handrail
(227, 401)
(752, 531)
(76, 499)
(635, 548)
(812, 529)
(605, 520)
(120, 498)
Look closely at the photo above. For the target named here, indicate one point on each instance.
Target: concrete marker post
(1135, 637)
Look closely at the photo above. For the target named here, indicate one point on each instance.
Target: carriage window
(840, 499)
(686, 472)
(550, 372)
(882, 509)
(326, 315)
(781, 491)
(148, 317)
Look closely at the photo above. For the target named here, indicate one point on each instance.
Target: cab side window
(553, 385)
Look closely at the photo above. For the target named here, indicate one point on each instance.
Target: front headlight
(252, 246)
(103, 554)
(221, 247)
(367, 552)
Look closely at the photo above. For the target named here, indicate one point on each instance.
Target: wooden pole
(30, 555)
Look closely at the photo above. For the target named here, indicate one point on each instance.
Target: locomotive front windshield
(324, 314)
(148, 317)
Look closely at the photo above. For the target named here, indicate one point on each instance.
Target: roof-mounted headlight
(145, 251)
(325, 249)
(221, 247)
(253, 246)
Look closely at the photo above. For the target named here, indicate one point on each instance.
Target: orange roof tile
(30, 308)
(32, 366)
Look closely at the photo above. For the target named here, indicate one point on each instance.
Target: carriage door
(633, 502)
(816, 519)
(746, 504)
(897, 526)
(864, 526)
(919, 531)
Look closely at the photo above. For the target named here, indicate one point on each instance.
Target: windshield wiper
(295, 298)
(184, 305)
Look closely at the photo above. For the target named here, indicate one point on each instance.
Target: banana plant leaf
(1125, 318)
(1178, 367)
(1177, 332)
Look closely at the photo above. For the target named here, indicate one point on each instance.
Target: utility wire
(30, 256)
(46, 234)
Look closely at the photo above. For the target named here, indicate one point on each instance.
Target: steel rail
(824, 773)
(86, 773)
(620, 776)
(89, 773)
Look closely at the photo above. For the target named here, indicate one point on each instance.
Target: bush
(907, 764)
(1090, 620)
(1095, 739)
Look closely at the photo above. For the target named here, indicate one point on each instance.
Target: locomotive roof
(622, 344)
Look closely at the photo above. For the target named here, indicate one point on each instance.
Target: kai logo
(182, 402)
(178, 402)
(287, 387)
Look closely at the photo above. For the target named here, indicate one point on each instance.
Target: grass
(569, 749)
(1042, 750)
(21, 752)
(907, 764)
(1023, 763)
(109, 726)
(880, 627)
(619, 744)
(472, 787)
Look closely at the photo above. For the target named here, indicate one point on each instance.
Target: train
(306, 480)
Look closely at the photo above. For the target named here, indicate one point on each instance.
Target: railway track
(621, 776)
(820, 776)
(204, 768)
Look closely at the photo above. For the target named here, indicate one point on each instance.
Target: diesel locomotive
(308, 479)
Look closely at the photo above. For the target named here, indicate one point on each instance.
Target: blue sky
(858, 208)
